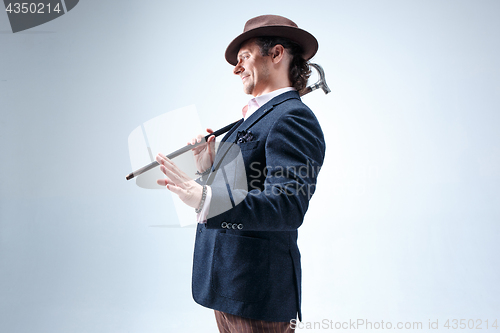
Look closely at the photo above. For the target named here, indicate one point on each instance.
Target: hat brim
(307, 41)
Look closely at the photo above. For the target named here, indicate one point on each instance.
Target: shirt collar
(258, 101)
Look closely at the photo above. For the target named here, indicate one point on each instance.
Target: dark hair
(299, 70)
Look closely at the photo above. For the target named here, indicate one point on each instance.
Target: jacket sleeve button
(224, 225)
(240, 226)
(235, 226)
(229, 225)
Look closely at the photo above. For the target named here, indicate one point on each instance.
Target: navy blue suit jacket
(246, 259)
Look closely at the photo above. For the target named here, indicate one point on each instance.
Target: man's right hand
(204, 154)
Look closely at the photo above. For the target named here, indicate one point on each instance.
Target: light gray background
(404, 225)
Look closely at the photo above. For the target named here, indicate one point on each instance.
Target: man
(254, 192)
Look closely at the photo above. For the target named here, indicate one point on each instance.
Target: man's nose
(238, 69)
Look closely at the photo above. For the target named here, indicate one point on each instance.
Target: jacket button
(224, 225)
(240, 226)
(235, 226)
(229, 225)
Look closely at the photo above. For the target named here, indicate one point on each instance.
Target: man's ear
(277, 53)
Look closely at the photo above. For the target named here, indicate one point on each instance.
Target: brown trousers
(229, 323)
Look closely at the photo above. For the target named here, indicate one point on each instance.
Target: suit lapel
(232, 130)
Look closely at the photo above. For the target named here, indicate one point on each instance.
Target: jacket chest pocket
(248, 145)
(251, 153)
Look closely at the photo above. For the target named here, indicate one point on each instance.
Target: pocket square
(244, 136)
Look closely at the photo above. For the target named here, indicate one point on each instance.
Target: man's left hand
(189, 191)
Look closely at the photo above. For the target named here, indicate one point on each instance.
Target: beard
(249, 87)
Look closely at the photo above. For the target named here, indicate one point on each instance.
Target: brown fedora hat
(276, 26)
